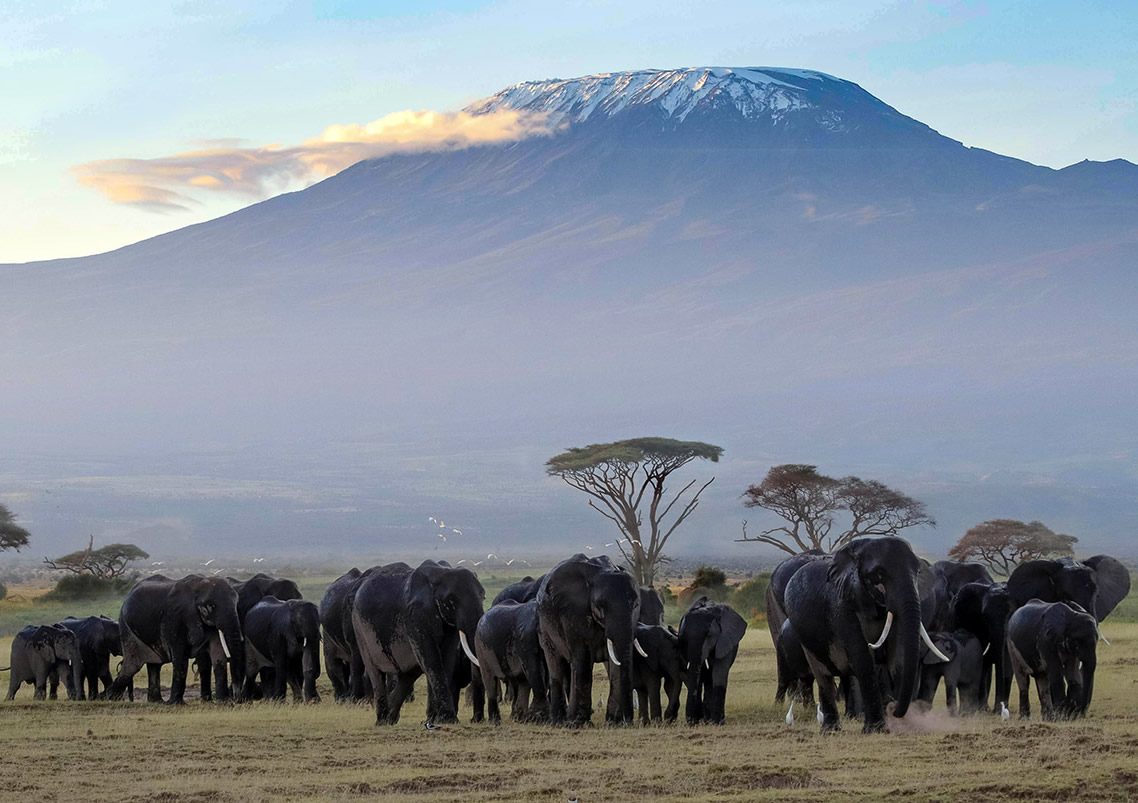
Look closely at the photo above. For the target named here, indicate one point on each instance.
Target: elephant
(409, 622)
(170, 621)
(1054, 643)
(98, 640)
(342, 660)
(709, 638)
(776, 613)
(283, 643)
(39, 654)
(522, 591)
(951, 576)
(1097, 584)
(587, 610)
(506, 643)
(984, 610)
(961, 673)
(843, 609)
(651, 606)
(794, 675)
(657, 660)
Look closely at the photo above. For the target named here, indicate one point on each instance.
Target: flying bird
(461, 562)
(588, 547)
(457, 530)
(258, 560)
(215, 572)
(157, 563)
(208, 562)
(432, 518)
(492, 555)
(443, 536)
(510, 561)
(478, 563)
(790, 714)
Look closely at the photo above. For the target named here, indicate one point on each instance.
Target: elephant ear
(947, 645)
(1113, 581)
(733, 627)
(1035, 579)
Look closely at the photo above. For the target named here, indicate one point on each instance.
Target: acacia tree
(12, 535)
(811, 505)
(626, 481)
(106, 562)
(1003, 544)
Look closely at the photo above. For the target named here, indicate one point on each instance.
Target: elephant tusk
(305, 644)
(1101, 636)
(987, 647)
(706, 665)
(639, 649)
(612, 653)
(224, 646)
(884, 631)
(466, 649)
(932, 647)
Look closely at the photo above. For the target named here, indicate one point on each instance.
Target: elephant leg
(558, 670)
(491, 685)
(14, 683)
(521, 709)
(180, 666)
(53, 684)
(205, 676)
(654, 710)
(357, 678)
(534, 682)
(338, 672)
(581, 686)
(154, 683)
(380, 681)
(404, 683)
(125, 678)
(950, 697)
(673, 686)
(827, 694)
(988, 668)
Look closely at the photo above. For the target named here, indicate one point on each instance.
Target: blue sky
(1051, 82)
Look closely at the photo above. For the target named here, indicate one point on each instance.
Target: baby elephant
(962, 674)
(506, 642)
(41, 653)
(98, 641)
(1054, 642)
(710, 633)
(282, 641)
(657, 659)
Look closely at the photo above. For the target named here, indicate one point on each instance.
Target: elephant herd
(886, 628)
(870, 623)
(383, 628)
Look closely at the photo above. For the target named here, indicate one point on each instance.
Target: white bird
(613, 544)
(461, 562)
(443, 536)
(821, 717)
(790, 714)
(478, 563)
(588, 547)
(455, 529)
(431, 726)
(492, 555)
(1005, 714)
(258, 560)
(432, 518)
(157, 563)
(208, 562)
(442, 523)
(215, 572)
(510, 561)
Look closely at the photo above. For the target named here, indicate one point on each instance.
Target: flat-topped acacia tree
(626, 480)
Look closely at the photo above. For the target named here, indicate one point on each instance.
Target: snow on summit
(754, 92)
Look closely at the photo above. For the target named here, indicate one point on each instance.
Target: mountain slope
(769, 259)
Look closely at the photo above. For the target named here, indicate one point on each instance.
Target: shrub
(87, 586)
(750, 599)
(709, 577)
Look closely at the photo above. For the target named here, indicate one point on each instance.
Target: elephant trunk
(229, 633)
(310, 664)
(908, 627)
(76, 668)
(619, 634)
(1088, 672)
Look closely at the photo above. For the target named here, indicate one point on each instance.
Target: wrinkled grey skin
(1096, 584)
(961, 674)
(951, 576)
(582, 604)
(98, 640)
(651, 606)
(776, 612)
(522, 591)
(838, 607)
(283, 638)
(167, 621)
(41, 653)
(794, 675)
(1054, 643)
(509, 653)
(664, 665)
(709, 638)
(407, 623)
(984, 610)
(342, 660)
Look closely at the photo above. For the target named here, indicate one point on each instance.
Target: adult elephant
(794, 675)
(709, 638)
(651, 607)
(409, 622)
(509, 653)
(587, 611)
(41, 653)
(1054, 643)
(522, 591)
(1097, 584)
(342, 660)
(170, 621)
(98, 640)
(283, 640)
(950, 576)
(863, 598)
(984, 610)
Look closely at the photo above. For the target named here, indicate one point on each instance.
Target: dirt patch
(749, 776)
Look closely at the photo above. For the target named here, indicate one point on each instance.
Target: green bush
(750, 599)
(709, 577)
(87, 586)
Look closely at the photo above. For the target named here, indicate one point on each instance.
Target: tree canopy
(12, 535)
(1003, 544)
(626, 481)
(812, 504)
(106, 562)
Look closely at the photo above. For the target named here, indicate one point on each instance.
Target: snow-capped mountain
(771, 260)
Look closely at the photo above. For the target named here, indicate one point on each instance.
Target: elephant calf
(657, 659)
(962, 673)
(39, 654)
(98, 640)
(283, 643)
(506, 643)
(709, 636)
(1054, 643)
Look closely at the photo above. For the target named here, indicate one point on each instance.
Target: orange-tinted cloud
(162, 184)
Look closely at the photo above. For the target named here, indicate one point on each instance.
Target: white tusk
(305, 644)
(224, 646)
(884, 632)
(639, 649)
(932, 647)
(1101, 636)
(987, 647)
(612, 653)
(706, 665)
(466, 649)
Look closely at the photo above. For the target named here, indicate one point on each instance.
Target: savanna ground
(99, 751)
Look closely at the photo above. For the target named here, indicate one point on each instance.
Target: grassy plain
(63, 751)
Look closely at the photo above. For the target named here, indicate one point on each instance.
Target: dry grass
(260, 752)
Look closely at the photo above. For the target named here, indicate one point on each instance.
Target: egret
(455, 529)
(492, 555)
(1005, 714)
(443, 536)
(790, 714)
(432, 518)
(478, 563)
(588, 547)
(258, 560)
(821, 717)
(510, 561)
(461, 562)
(157, 563)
